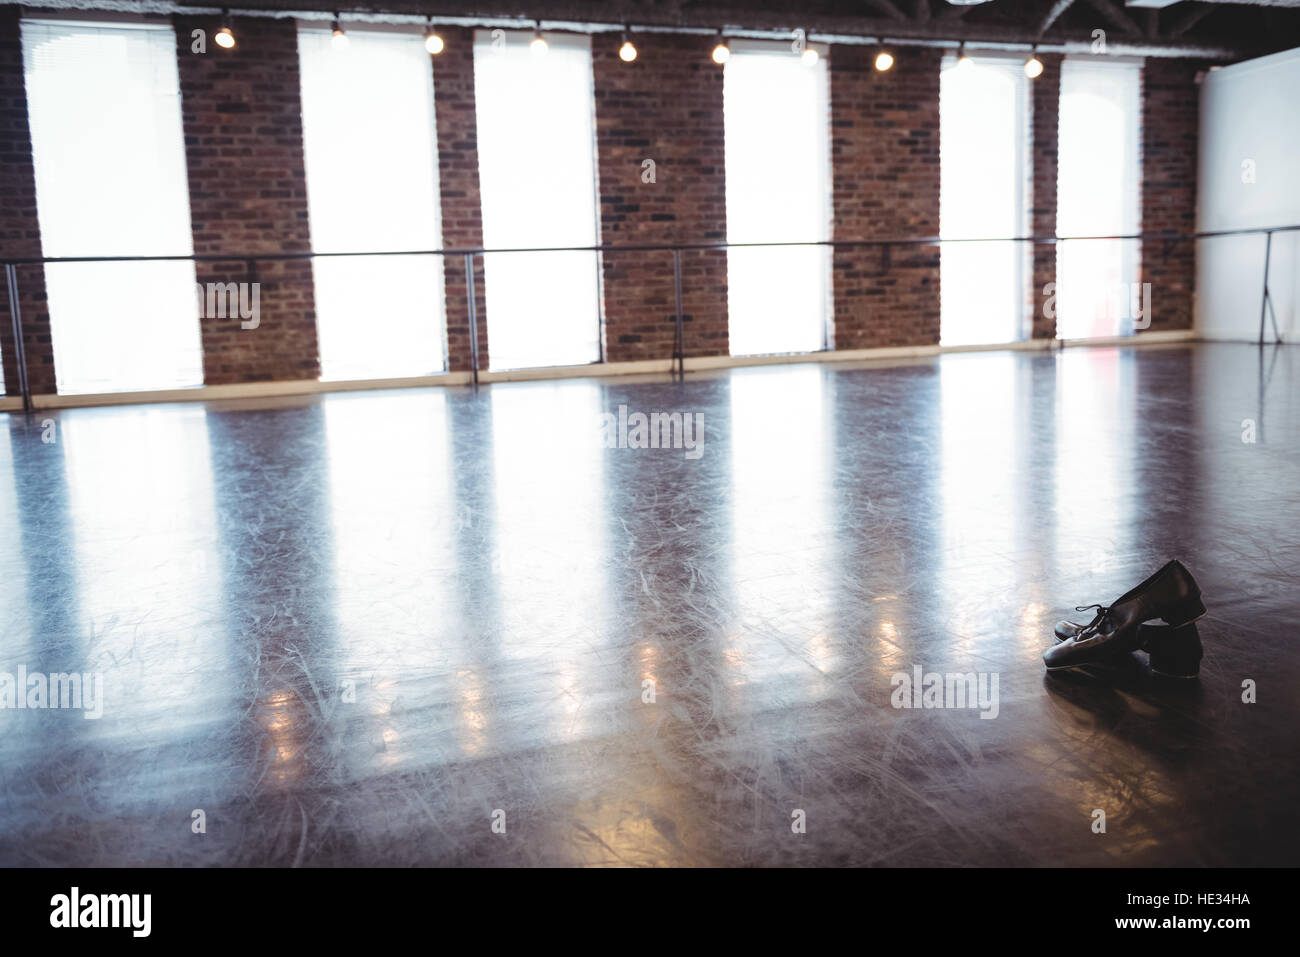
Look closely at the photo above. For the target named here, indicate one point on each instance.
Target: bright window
(1097, 195)
(371, 158)
(537, 155)
(778, 190)
(104, 102)
(983, 113)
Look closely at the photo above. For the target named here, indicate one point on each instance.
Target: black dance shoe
(1175, 652)
(1171, 594)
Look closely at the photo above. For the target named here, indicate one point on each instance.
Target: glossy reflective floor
(362, 628)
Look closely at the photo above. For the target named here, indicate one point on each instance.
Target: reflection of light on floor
(636, 833)
(473, 719)
(1030, 626)
(382, 707)
(1089, 768)
(819, 647)
(570, 693)
(281, 727)
(390, 754)
(649, 654)
(733, 657)
(279, 702)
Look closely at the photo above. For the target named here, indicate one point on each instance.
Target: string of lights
(627, 51)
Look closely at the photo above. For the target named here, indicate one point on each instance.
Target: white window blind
(536, 153)
(777, 127)
(372, 178)
(1097, 195)
(104, 106)
(983, 113)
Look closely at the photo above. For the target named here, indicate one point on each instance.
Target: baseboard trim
(243, 390)
(589, 370)
(1153, 338)
(261, 390)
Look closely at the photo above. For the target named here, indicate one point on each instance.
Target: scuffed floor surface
(363, 628)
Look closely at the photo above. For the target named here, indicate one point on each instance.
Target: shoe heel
(1177, 653)
(1187, 611)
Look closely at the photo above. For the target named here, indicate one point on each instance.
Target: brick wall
(1170, 120)
(462, 219)
(242, 118)
(242, 124)
(666, 107)
(20, 235)
(885, 182)
(1045, 94)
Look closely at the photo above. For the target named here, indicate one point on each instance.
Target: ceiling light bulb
(721, 53)
(224, 38)
(884, 61)
(1033, 67)
(539, 45)
(338, 39)
(433, 43)
(627, 52)
(810, 56)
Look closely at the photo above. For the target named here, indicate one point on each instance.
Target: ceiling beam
(888, 9)
(1188, 19)
(1116, 16)
(1058, 8)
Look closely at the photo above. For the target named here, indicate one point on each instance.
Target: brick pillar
(20, 233)
(885, 183)
(462, 217)
(665, 107)
(1170, 123)
(1045, 109)
(242, 116)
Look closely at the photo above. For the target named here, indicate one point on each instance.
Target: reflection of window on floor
(984, 134)
(778, 171)
(371, 185)
(536, 153)
(781, 491)
(1097, 195)
(979, 507)
(105, 113)
(1093, 518)
(404, 472)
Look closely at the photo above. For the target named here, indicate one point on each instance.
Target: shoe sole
(1080, 667)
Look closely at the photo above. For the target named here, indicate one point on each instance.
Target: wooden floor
(366, 628)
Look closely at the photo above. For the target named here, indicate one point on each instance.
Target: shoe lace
(1102, 617)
